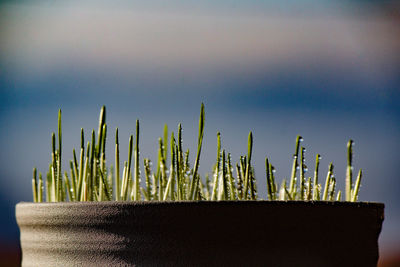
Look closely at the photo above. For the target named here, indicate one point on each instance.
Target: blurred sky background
(327, 70)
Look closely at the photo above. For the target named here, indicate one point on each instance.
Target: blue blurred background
(328, 70)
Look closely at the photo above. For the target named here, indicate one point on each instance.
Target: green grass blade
(327, 182)
(68, 187)
(173, 165)
(273, 184)
(248, 166)
(145, 195)
(117, 177)
(179, 171)
(40, 188)
(289, 197)
(214, 193)
(135, 194)
(232, 187)
(73, 178)
(54, 169)
(282, 190)
(302, 168)
(239, 181)
(105, 188)
(332, 188)
(103, 144)
(155, 187)
(349, 170)
(339, 196)
(223, 188)
(315, 187)
(59, 159)
(85, 189)
(81, 167)
(162, 168)
(75, 167)
(208, 187)
(195, 181)
(253, 185)
(93, 169)
(102, 121)
(309, 189)
(169, 191)
(128, 170)
(124, 183)
(34, 186)
(147, 173)
(293, 182)
(269, 183)
(49, 186)
(354, 197)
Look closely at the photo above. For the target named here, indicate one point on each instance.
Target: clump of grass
(89, 178)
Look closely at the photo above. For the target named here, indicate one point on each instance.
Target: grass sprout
(174, 178)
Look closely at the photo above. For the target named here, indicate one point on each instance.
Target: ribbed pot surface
(247, 233)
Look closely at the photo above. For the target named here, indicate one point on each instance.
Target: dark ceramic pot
(248, 233)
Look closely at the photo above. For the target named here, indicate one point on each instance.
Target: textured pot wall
(261, 233)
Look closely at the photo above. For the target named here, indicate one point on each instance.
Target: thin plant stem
(349, 170)
(273, 184)
(179, 166)
(223, 188)
(173, 164)
(207, 187)
(124, 181)
(54, 195)
(293, 183)
(85, 188)
(117, 177)
(216, 168)
(68, 187)
(309, 191)
(147, 173)
(195, 181)
(93, 168)
(253, 185)
(34, 186)
(332, 188)
(135, 195)
(248, 166)
(59, 160)
(283, 190)
(239, 182)
(339, 196)
(327, 182)
(128, 170)
(357, 185)
(81, 162)
(74, 173)
(105, 184)
(269, 184)
(40, 188)
(162, 172)
(232, 187)
(169, 192)
(48, 184)
(302, 168)
(315, 195)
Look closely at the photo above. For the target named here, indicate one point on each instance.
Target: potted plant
(175, 218)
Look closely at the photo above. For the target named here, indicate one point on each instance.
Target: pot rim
(310, 203)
